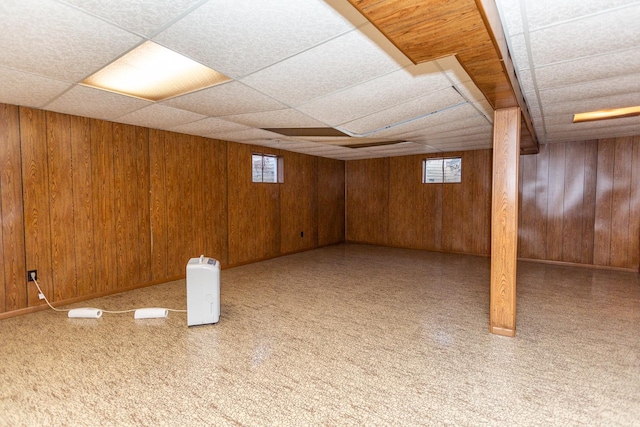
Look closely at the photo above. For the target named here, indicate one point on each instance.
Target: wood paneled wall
(97, 207)
(580, 203)
(388, 204)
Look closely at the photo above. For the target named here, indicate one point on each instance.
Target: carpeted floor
(348, 335)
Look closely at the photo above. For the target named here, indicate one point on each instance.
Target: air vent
(372, 144)
(306, 131)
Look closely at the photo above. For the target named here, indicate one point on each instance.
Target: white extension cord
(95, 313)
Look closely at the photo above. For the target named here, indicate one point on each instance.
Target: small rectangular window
(267, 168)
(442, 170)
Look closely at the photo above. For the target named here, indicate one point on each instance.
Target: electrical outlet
(29, 278)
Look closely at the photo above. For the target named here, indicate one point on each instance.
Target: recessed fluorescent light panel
(154, 73)
(614, 113)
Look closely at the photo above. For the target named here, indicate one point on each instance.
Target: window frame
(442, 179)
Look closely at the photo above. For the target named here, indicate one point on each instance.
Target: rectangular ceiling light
(614, 113)
(154, 73)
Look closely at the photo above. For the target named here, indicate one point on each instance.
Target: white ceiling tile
(612, 131)
(485, 108)
(593, 89)
(519, 52)
(450, 116)
(95, 103)
(587, 69)
(21, 88)
(593, 104)
(208, 126)
(337, 64)
(409, 111)
(240, 37)
(542, 13)
(378, 94)
(224, 100)
(276, 119)
(143, 17)
(586, 37)
(158, 116)
(511, 16)
(58, 41)
(246, 135)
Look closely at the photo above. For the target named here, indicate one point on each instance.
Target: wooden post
(504, 221)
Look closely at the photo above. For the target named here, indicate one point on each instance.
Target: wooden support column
(504, 221)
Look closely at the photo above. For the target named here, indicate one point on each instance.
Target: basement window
(442, 170)
(267, 168)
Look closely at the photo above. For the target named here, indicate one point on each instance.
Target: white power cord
(43, 296)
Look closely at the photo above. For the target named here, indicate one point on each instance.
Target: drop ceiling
(323, 64)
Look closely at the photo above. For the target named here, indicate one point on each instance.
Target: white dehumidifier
(203, 291)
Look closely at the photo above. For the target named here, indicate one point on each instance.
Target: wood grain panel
(215, 200)
(198, 214)
(331, 201)
(254, 208)
(572, 209)
(555, 202)
(126, 204)
(478, 230)
(432, 237)
(104, 211)
(143, 204)
(623, 155)
(368, 201)
(179, 225)
(406, 207)
(454, 206)
(83, 205)
(298, 203)
(504, 214)
(634, 208)
(528, 209)
(158, 213)
(604, 201)
(63, 261)
(35, 177)
(13, 293)
(589, 200)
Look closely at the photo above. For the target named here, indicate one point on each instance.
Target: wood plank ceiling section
(425, 30)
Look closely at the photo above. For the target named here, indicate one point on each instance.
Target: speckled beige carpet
(348, 335)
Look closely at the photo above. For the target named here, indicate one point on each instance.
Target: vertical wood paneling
(215, 190)
(254, 208)
(555, 202)
(298, 203)
(143, 204)
(620, 198)
(331, 201)
(13, 294)
(573, 202)
(528, 209)
(83, 205)
(405, 202)
(368, 201)
(432, 218)
(634, 209)
(63, 261)
(604, 200)
(477, 217)
(35, 177)
(104, 227)
(177, 202)
(126, 204)
(158, 187)
(96, 206)
(542, 202)
(589, 200)
(454, 205)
